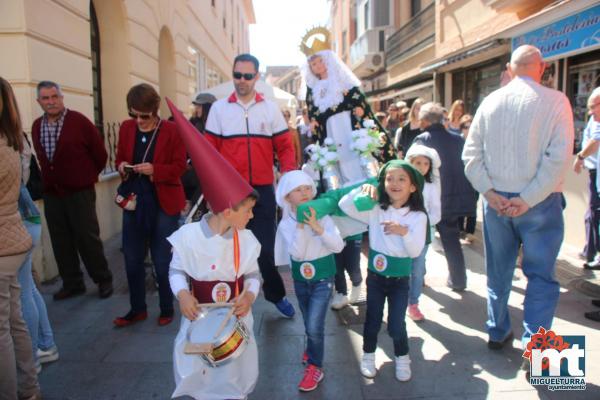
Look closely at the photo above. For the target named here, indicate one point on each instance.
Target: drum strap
(236, 260)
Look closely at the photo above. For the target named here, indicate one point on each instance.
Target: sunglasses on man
(247, 77)
(141, 116)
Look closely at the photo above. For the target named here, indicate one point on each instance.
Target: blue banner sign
(565, 36)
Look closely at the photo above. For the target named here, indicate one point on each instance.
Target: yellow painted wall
(50, 40)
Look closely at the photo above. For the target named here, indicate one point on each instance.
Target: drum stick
(227, 318)
(215, 305)
(224, 323)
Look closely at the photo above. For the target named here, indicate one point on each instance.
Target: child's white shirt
(209, 258)
(409, 245)
(302, 243)
(433, 202)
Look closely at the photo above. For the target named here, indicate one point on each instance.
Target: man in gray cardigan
(516, 155)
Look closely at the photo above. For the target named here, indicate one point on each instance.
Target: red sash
(215, 291)
(221, 291)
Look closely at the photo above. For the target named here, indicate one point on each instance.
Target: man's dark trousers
(263, 225)
(74, 232)
(592, 219)
(450, 236)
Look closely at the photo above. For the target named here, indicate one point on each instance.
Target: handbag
(125, 198)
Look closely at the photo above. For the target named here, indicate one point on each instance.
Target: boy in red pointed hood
(219, 256)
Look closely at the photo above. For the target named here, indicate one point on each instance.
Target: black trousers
(592, 219)
(74, 232)
(450, 235)
(263, 226)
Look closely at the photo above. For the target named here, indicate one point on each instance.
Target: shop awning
(393, 92)
(553, 12)
(463, 54)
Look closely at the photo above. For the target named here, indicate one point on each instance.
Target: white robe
(197, 254)
(339, 129)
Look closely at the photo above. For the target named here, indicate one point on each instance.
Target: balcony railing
(110, 133)
(415, 35)
(371, 41)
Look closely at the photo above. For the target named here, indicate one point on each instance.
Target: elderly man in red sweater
(71, 154)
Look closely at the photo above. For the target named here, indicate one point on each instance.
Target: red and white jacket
(249, 136)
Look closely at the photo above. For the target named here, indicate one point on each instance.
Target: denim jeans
(541, 231)
(348, 260)
(135, 239)
(32, 302)
(395, 290)
(417, 276)
(313, 299)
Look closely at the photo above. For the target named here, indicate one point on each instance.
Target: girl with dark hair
(398, 231)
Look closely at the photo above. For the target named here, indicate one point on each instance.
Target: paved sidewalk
(450, 359)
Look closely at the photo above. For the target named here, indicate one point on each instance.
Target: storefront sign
(576, 32)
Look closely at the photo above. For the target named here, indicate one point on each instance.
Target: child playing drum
(219, 257)
(309, 248)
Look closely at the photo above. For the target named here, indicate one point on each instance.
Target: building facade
(96, 50)
(458, 49)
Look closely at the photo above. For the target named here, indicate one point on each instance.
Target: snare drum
(228, 345)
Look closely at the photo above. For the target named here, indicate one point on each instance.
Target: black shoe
(596, 303)
(593, 265)
(105, 290)
(64, 293)
(493, 345)
(593, 315)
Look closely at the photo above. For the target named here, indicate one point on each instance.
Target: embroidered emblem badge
(221, 292)
(307, 270)
(380, 262)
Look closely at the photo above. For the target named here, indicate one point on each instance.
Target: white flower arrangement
(366, 141)
(323, 156)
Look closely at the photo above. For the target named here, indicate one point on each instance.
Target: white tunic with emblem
(206, 258)
(409, 245)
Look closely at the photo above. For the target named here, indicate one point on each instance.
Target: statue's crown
(317, 44)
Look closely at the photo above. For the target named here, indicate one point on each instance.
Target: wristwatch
(580, 157)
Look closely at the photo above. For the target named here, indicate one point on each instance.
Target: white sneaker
(46, 356)
(354, 294)
(339, 301)
(403, 368)
(367, 365)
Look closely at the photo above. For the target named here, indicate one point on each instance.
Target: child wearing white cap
(308, 247)
(427, 161)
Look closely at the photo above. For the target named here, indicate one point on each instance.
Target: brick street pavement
(450, 359)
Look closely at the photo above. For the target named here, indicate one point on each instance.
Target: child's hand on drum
(242, 303)
(188, 304)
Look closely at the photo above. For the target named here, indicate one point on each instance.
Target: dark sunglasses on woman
(239, 75)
